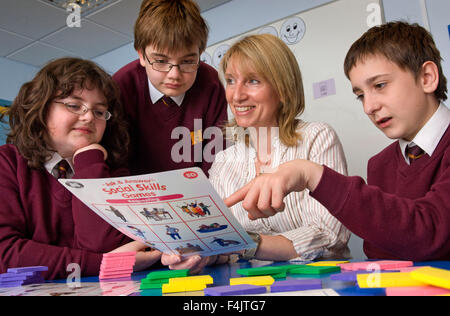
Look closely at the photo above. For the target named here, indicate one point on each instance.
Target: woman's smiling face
(253, 100)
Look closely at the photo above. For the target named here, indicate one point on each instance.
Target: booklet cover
(175, 211)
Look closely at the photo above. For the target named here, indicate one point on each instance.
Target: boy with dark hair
(404, 210)
(168, 87)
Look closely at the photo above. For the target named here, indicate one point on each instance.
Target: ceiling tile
(120, 17)
(10, 42)
(85, 6)
(38, 54)
(89, 40)
(30, 18)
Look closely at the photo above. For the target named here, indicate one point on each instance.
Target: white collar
(431, 133)
(53, 161)
(155, 95)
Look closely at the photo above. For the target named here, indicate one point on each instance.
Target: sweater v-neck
(411, 170)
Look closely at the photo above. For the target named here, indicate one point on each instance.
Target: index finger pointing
(238, 196)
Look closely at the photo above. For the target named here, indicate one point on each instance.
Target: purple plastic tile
(28, 269)
(239, 289)
(33, 281)
(26, 274)
(17, 276)
(7, 274)
(296, 285)
(11, 279)
(350, 276)
(10, 284)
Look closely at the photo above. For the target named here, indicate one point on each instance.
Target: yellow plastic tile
(197, 279)
(193, 293)
(394, 279)
(433, 276)
(182, 287)
(256, 280)
(326, 263)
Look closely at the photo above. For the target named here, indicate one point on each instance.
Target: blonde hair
(270, 57)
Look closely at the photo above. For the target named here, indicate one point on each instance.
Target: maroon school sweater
(151, 125)
(43, 224)
(403, 212)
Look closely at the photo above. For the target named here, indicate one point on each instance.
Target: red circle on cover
(190, 174)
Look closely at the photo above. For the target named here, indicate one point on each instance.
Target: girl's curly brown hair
(59, 78)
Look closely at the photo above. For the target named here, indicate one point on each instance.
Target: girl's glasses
(80, 109)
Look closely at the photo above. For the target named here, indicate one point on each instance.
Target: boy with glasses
(168, 87)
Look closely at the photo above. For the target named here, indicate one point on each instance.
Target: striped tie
(62, 168)
(414, 153)
(167, 101)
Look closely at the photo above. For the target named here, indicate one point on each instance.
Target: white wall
(12, 76)
(406, 10)
(432, 15)
(439, 20)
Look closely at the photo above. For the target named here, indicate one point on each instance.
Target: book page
(176, 212)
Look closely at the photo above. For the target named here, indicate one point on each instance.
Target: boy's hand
(263, 196)
(92, 146)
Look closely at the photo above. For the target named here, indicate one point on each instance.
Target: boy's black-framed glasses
(166, 67)
(81, 109)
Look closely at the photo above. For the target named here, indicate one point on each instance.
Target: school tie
(414, 153)
(167, 101)
(166, 108)
(62, 168)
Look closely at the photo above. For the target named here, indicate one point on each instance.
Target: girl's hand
(92, 146)
(195, 263)
(144, 259)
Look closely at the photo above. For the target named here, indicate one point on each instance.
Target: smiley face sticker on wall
(292, 30)
(219, 53)
(206, 58)
(269, 30)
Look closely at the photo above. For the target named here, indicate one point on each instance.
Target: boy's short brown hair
(58, 79)
(407, 45)
(170, 24)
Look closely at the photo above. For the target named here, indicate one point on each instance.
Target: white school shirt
(53, 161)
(313, 231)
(155, 95)
(431, 133)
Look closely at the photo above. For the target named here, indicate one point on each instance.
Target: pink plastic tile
(416, 291)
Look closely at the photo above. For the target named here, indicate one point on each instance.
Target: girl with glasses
(65, 123)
